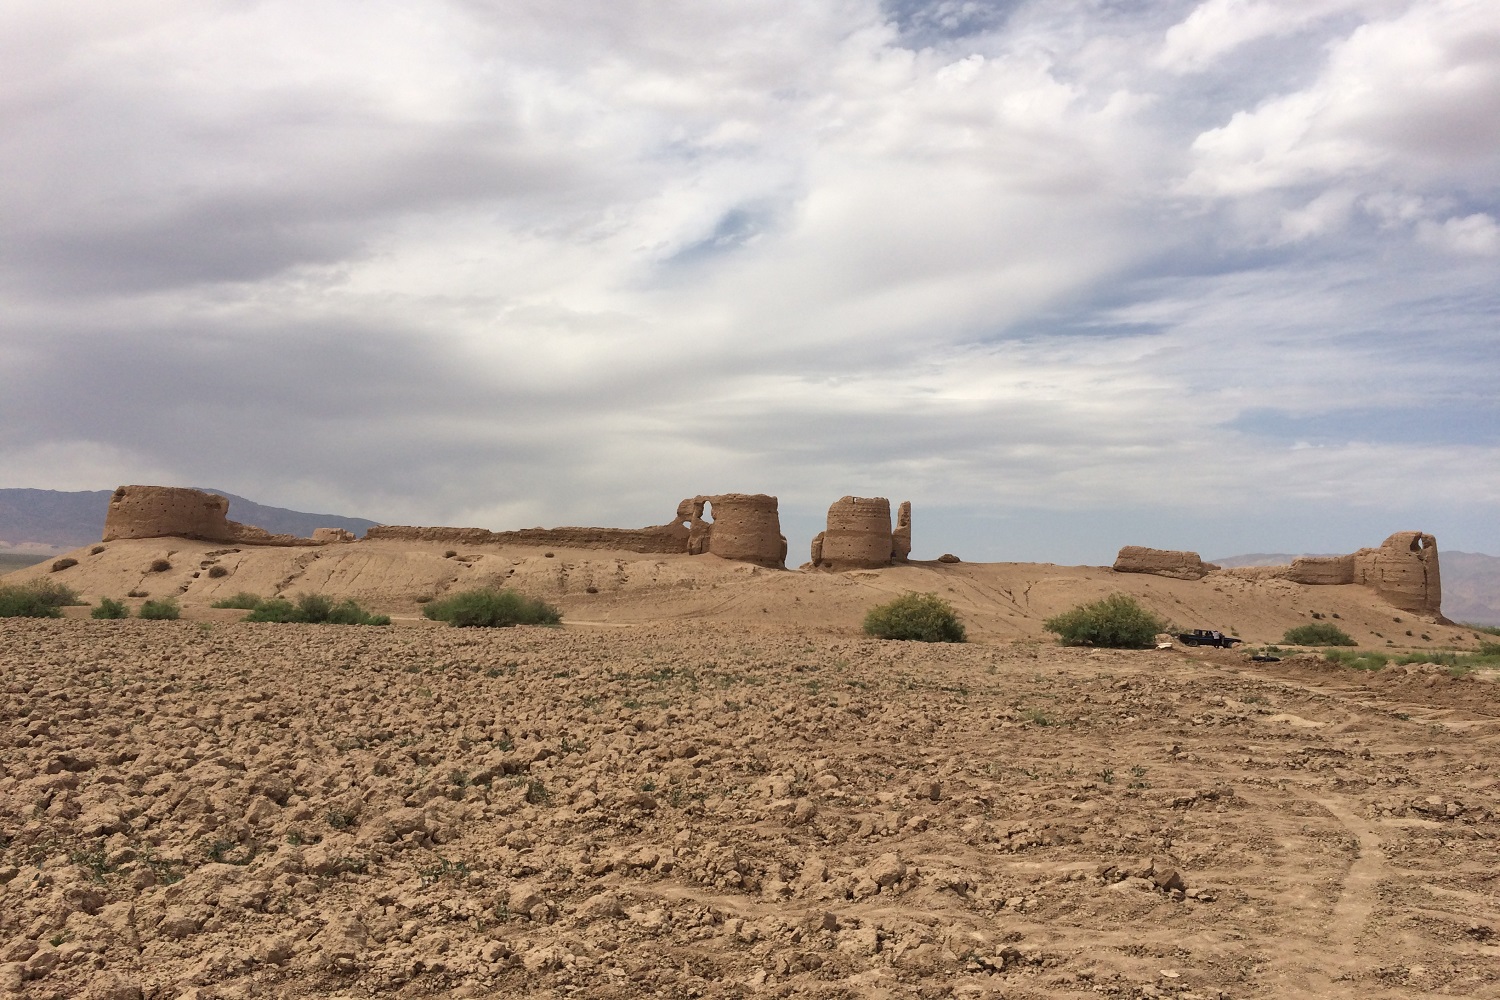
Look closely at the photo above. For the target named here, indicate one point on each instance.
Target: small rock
(886, 870)
(1169, 879)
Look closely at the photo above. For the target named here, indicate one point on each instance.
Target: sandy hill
(998, 601)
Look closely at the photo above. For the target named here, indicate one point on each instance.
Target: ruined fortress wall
(858, 534)
(746, 527)
(1404, 571)
(901, 537)
(1175, 564)
(1320, 570)
(178, 512)
(666, 539)
(167, 511)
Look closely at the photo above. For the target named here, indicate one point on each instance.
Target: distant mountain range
(43, 522)
(1471, 581)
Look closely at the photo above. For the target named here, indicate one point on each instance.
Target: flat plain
(721, 789)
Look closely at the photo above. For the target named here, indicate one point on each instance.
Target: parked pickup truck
(1207, 637)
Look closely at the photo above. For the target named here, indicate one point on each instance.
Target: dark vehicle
(1207, 637)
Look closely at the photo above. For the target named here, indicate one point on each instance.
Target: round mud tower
(747, 528)
(858, 534)
(1404, 571)
(166, 512)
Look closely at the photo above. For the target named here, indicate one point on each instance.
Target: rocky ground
(207, 809)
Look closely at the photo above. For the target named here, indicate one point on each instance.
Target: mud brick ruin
(1403, 570)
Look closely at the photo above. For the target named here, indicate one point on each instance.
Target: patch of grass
(227, 852)
(1115, 622)
(36, 599)
(1036, 716)
(161, 610)
(488, 608)
(1362, 660)
(110, 609)
(1320, 634)
(918, 617)
(63, 564)
(536, 793)
(244, 601)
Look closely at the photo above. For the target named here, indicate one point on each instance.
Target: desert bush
(163, 609)
(275, 609)
(36, 599)
(1116, 622)
(1318, 634)
(96, 550)
(244, 601)
(314, 609)
(487, 608)
(108, 608)
(922, 617)
(159, 566)
(63, 564)
(215, 572)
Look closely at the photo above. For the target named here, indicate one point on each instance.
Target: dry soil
(748, 805)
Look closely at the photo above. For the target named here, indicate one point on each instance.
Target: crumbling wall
(739, 526)
(1172, 563)
(178, 512)
(901, 537)
(165, 512)
(859, 535)
(664, 539)
(1404, 571)
(1320, 571)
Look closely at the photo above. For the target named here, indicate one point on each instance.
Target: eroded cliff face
(178, 512)
(1173, 563)
(859, 535)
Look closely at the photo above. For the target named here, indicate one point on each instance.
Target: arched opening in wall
(1420, 542)
(708, 512)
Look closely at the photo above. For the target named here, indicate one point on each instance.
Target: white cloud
(567, 263)
(1409, 100)
(1217, 27)
(1476, 234)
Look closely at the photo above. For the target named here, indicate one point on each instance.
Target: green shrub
(244, 601)
(314, 609)
(1370, 660)
(486, 608)
(1115, 622)
(108, 608)
(63, 564)
(1318, 634)
(163, 609)
(275, 609)
(35, 599)
(921, 617)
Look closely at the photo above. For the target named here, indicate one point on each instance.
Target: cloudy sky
(1067, 274)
